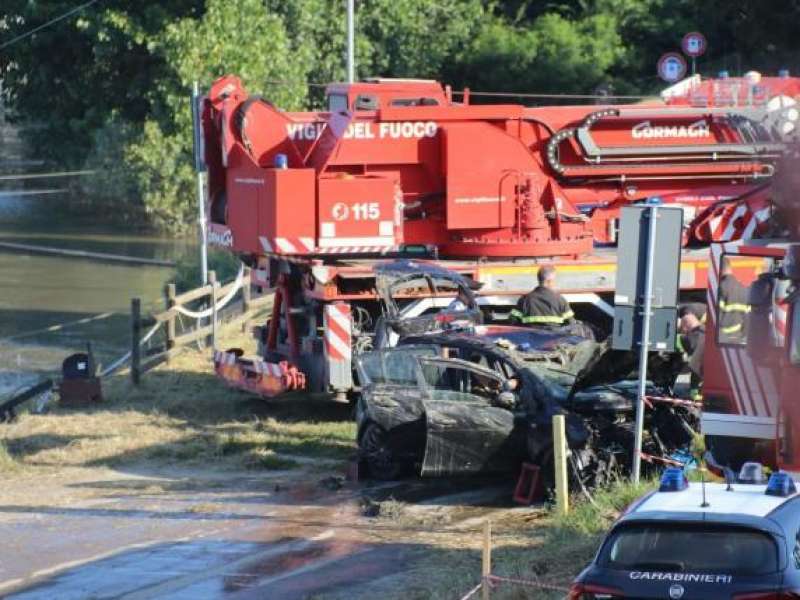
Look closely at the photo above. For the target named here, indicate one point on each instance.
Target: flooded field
(38, 292)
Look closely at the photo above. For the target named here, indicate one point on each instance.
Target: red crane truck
(311, 200)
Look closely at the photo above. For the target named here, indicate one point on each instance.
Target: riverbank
(181, 413)
(258, 487)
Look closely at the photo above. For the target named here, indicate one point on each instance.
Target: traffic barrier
(180, 305)
(489, 581)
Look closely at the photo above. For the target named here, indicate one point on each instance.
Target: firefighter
(733, 307)
(691, 342)
(544, 305)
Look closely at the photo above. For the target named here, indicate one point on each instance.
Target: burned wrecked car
(481, 399)
(420, 297)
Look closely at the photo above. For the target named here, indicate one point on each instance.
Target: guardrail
(212, 297)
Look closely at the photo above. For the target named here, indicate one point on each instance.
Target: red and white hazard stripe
(266, 368)
(287, 245)
(357, 250)
(224, 358)
(735, 221)
(259, 366)
(338, 331)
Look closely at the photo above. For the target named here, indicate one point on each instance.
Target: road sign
(671, 67)
(648, 270)
(694, 44)
(630, 291)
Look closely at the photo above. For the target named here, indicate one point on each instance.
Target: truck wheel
(382, 463)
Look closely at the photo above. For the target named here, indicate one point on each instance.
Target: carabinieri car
(737, 541)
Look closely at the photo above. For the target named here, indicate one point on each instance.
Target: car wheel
(381, 461)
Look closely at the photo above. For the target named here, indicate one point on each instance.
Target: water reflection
(37, 292)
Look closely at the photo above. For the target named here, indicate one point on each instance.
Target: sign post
(351, 21)
(694, 44)
(646, 296)
(644, 347)
(200, 167)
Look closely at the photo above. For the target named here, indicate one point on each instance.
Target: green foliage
(153, 160)
(607, 504)
(108, 87)
(553, 54)
(188, 273)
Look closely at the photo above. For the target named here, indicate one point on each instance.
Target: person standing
(544, 306)
(692, 341)
(733, 307)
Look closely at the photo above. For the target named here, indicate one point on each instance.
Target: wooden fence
(212, 297)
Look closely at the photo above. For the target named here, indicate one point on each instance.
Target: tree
(69, 77)
(552, 55)
(151, 159)
(108, 87)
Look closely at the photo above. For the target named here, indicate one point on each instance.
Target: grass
(8, 464)
(527, 544)
(181, 414)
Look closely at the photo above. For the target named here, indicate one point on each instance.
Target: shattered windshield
(397, 366)
(560, 370)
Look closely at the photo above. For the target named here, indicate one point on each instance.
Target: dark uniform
(543, 306)
(733, 311)
(693, 344)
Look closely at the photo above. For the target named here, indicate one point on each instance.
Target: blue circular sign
(671, 67)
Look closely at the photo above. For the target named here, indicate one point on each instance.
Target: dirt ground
(195, 533)
(182, 488)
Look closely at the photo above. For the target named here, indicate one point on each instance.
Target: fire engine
(751, 378)
(313, 200)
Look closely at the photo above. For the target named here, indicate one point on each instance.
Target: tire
(381, 461)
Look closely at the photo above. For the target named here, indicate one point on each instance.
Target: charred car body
(460, 399)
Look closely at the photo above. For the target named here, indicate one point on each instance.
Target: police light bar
(752, 472)
(781, 484)
(673, 480)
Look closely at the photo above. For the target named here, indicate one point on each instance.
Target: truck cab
(378, 93)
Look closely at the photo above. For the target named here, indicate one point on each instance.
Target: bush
(188, 271)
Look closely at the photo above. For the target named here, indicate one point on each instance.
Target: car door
(465, 431)
(392, 385)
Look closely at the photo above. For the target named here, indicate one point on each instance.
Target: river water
(38, 292)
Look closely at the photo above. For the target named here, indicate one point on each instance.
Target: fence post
(212, 280)
(246, 289)
(486, 567)
(136, 331)
(169, 298)
(560, 458)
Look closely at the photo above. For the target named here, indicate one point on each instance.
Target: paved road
(138, 537)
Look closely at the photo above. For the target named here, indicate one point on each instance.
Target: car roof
(744, 499)
(747, 505)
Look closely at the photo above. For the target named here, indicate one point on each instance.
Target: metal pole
(560, 460)
(351, 24)
(201, 200)
(201, 205)
(645, 343)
